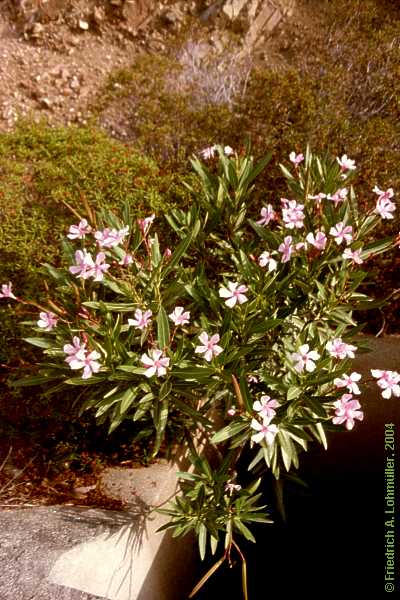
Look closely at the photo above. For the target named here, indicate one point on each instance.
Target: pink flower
(384, 206)
(318, 240)
(346, 164)
(317, 197)
(209, 347)
(383, 195)
(338, 196)
(108, 238)
(126, 260)
(342, 232)
(6, 291)
(145, 224)
(235, 293)
(388, 381)
(339, 349)
(47, 321)
(252, 379)
(296, 159)
(76, 352)
(141, 320)
(208, 152)
(79, 359)
(156, 363)
(232, 487)
(84, 264)
(286, 249)
(267, 214)
(353, 255)
(167, 253)
(265, 431)
(99, 268)
(231, 411)
(304, 359)
(179, 317)
(265, 260)
(228, 151)
(347, 410)
(293, 215)
(90, 364)
(265, 406)
(349, 381)
(78, 232)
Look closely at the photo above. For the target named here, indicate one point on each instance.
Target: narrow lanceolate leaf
(228, 432)
(40, 342)
(202, 540)
(162, 328)
(181, 249)
(160, 417)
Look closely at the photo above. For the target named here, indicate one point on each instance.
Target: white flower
(234, 293)
(156, 363)
(349, 381)
(209, 347)
(265, 260)
(179, 317)
(265, 431)
(304, 359)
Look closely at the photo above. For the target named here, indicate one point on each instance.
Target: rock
(232, 8)
(84, 25)
(46, 103)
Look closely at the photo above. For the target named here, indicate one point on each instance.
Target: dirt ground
(55, 55)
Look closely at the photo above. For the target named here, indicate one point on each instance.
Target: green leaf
(162, 329)
(39, 342)
(228, 432)
(202, 540)
(38, 380)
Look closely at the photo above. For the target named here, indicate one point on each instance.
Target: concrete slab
(33, 538)
(135, 562)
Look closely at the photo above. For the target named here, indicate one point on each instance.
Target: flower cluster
(79, 357)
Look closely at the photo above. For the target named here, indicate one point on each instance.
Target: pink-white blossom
(388, 381)
(347, 410)
(208, 152)
(156, 363)
(286, 249)
(346, 164)
(78, 232)
(317, 197)
(126, 260)
(6, 291)
(293, 215)
(84, 264)
(231, 411)
(384, 206)
(296, 159)
(252, 379)
(267, 214)
(141, 320)
(349, 381)
(353, 255)
(209, 346)
(76, 352)
(233, 293)
(146, 223)
(47, 321)
(90, 364)
(108, 238)
(265, 260)
(232, 487)
(339, 349)
(304, 359)
(265, 431)
(318, 240)
(342, 232)
(179, 316)
(265, 406)
(338, 196)
(228, 151)
(99, 267)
